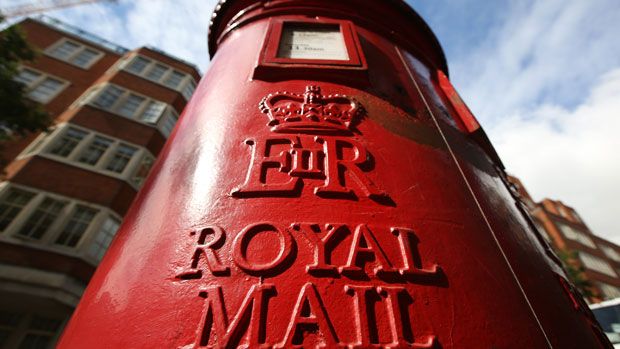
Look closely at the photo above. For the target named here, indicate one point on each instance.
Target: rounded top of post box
(393, 19)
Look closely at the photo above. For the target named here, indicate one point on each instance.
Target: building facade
(566, 232)
(64, 193)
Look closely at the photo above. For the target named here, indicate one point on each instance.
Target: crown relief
(310, 112)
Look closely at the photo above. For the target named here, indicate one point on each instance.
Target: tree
(575, 272)
(18, 114)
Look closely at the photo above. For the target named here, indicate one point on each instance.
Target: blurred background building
(64, 193)
(596, 260)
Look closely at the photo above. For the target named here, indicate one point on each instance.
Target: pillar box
(327, 187)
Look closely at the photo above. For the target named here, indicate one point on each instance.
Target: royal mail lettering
(214, 319)
(309, 317)
(359, 240)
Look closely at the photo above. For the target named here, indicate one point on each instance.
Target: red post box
(327, 187)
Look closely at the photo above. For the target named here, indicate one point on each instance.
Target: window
(77, 225)
(42, 218)
(12, 204)
(189, 89)
(156, 72)
(174, 79)
(142, 171)
(596, 264)
(162, 74)
(611, 252)
(121, 158)
(609, 291)
(70, 139)
(65, 50)
(104, 237)
(74, 53)
(95, 150)
(44, 91)
(84, 58)
(40, 87)
(138, 64)
(40, 333)
(130, 105)
(169, 122)
(27, 76)
(108, 96)
(576, 235)
(152, 112)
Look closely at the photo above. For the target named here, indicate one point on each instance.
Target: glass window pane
(130, 105)
(42, 218)
(596, 264)
(174, 79)
(45, 90)
(152, 112)
(65, 50)
(611, 253)
(95, 150)
(143, 170)
(69, 140)
(14, 201)
(157, 72)
(138, 64)
(77, 225)
(27, 76)
(121, 158)
(104, 238)
(188, 90)
(108, 96)
(85, 57)
(169, 122)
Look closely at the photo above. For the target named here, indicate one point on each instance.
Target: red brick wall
(71, 181)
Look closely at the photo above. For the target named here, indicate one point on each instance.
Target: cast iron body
(328, 202)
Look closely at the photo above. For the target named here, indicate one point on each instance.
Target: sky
(542, 77)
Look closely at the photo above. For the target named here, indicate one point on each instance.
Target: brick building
(63, 193)
(564, 230)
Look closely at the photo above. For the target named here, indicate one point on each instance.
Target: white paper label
(312, 42)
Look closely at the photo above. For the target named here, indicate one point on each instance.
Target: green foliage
(575, 272)
(18, 114)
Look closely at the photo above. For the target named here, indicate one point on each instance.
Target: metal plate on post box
(302, 41)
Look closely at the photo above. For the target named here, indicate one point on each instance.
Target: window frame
(70, 217)
(94, 243)
(589, 260)
(82, 47)
(37, 82)
(5, 194)
(36, 203)
(54, 230)
(139, 112)
(576, 235)
(46, 142)
(188, 80)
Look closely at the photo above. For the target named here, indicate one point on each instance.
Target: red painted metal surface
(319, 204)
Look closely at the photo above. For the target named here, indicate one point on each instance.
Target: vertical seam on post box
(471, 191)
